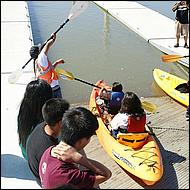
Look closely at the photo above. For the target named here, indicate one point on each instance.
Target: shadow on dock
(13, 166)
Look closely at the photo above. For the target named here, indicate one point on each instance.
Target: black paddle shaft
(87, 83)
(61, 26)
(27, 63)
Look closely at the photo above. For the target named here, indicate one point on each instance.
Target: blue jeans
(57, 93)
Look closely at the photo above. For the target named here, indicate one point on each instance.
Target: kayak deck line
(154, 27)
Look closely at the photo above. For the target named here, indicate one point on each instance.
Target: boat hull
(168, 82)
(144, 162)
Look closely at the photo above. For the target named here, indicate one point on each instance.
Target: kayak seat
(134, 140)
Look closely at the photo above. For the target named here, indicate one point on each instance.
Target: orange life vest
(47, 73)
(136, 123)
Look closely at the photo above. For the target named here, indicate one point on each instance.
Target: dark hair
(34, 51)
(53, 110)
(78, 123)
(117, 87)
(30, 111)
(131, 104)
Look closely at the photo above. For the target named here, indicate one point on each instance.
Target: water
(96, 46)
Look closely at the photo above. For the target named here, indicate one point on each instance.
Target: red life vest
(136, 123)
(47, 73)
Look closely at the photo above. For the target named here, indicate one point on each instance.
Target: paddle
(75, 11)
(68, 75)
(172, 58)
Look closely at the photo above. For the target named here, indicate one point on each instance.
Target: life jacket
(136, 123)
(115, 102)
(47, 73)
(182, 14)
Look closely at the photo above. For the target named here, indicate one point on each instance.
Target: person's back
(116, 97)
(136, 123)
(181, 12)
(115, 102)
(37, 143)
(78, 125)
(112, 98)
(36, 94)
(46, 133)
(131, 117)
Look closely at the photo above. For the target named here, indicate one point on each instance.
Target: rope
(170, 128)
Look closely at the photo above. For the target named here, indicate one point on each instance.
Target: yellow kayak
(168, 82)
(137, 153)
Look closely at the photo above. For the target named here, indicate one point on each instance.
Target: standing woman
(30, 112)
(45, 69)
(182, 21)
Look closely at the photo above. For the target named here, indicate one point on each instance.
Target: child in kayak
(110, 100)
(131, 117)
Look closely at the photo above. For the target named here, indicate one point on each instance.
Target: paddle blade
(149, 106)
(171, 58)
(64, 74)
(14, 76)
(77, 9)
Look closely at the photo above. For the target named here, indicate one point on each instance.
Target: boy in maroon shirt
(78, 125)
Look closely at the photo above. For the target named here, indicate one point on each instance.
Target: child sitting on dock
(30, 112)
(131, 117)
(46, 133)
(78, 125)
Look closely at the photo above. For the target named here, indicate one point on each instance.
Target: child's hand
(66, 153)
(53, 36)
(59, 61)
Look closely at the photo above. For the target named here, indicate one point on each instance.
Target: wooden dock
(172, 134)
(154, 27)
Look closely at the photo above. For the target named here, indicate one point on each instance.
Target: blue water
(96, 46)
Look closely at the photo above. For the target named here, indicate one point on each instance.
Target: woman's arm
(59, 61)
(174, 8)
(49, 43)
